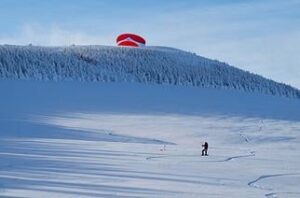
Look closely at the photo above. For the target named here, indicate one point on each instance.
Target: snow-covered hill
(138, 135)
(157, 65)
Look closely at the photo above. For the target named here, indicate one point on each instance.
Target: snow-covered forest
(155, 65)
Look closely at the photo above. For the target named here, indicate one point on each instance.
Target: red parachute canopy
(131, 40)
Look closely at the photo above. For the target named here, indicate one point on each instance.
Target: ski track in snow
(252, 154)
(254, 184)
(170, 156)
(285, 194)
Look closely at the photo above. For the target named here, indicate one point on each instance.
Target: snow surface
(84, 139)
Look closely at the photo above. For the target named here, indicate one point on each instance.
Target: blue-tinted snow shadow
(26, 129)
(53, 167)
(39, 97)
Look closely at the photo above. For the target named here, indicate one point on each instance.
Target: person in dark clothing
(205, 148)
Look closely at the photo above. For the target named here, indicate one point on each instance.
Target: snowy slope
(139, 137)
(157, 65)
(74, 139)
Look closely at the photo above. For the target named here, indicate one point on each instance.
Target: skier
(205, 148)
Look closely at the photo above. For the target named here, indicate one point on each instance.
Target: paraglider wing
(131, 40)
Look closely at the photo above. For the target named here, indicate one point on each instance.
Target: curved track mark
(252, 154)
(167, 156)
(274, 195)
(253, 183)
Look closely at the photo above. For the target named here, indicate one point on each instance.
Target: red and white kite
(130, 40)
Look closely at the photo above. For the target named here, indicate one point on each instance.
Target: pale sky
(260, 36)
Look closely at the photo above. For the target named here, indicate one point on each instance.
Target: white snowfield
(142, 138)
(74, 139)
